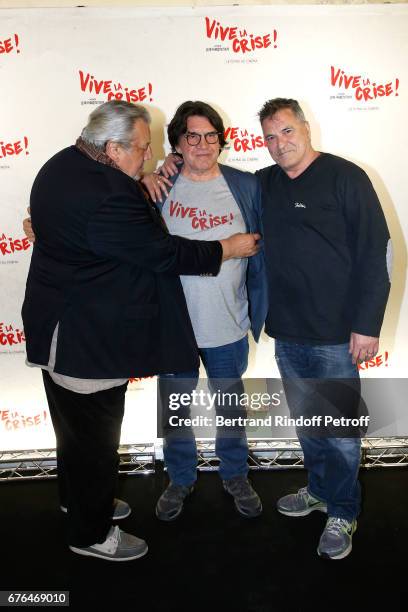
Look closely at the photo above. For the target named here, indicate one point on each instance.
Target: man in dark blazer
(102, 281)
(221, 201)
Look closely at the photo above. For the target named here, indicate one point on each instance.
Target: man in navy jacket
(103, 277)
(209, 201)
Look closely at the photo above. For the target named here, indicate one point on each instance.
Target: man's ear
(112, 150)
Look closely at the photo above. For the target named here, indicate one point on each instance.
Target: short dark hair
(178, 125)
(276, 104)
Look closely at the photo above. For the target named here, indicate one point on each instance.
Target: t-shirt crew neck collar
(204, 182)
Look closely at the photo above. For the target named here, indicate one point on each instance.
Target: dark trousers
(87, 429)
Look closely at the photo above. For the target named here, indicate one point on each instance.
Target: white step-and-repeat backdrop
(345, 64)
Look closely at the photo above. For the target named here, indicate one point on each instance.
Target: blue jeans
(332, 463)
(180, 452)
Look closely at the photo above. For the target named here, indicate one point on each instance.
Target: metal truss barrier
(272, 454)
(41, 464)
(280, 454)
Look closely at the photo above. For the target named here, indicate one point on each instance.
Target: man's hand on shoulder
(170, 166)
(362, 348)
(27, 227)
(157, 185)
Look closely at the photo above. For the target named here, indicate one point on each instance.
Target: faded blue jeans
(332, 462)
(224, 366)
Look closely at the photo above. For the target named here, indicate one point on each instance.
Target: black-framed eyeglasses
(194, 139)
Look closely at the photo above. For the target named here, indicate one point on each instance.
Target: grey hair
(113, 120)
(276, 104)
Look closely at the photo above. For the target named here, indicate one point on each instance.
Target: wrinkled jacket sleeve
(124, 228)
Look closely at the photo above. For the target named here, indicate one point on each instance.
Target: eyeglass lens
(194, 139)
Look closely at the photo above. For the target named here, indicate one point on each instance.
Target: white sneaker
(118, 546)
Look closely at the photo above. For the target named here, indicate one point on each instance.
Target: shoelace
(178, 491)
(241, 488)
(302, 493)
(113, 540)
(337, 525)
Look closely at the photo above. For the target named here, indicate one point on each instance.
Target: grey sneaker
(247, 501)
(120, 509)
(335, 542)
(118, 546)
(171, 501)
(300, 504)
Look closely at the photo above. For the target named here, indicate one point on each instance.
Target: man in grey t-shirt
(210, 201)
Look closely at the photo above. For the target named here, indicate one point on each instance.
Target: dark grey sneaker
(300, 504)
(118, 546)
(336, 539)
(247, 501)
(171, 501)
(120, 509)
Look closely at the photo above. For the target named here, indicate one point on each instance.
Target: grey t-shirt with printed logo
(218, 305)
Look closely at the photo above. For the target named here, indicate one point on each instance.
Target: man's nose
(281, 142)
(203, 144)
(148, 155)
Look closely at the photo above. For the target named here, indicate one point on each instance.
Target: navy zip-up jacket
(246, 190)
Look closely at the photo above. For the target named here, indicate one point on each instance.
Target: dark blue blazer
(106, 270)
(246, 190)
